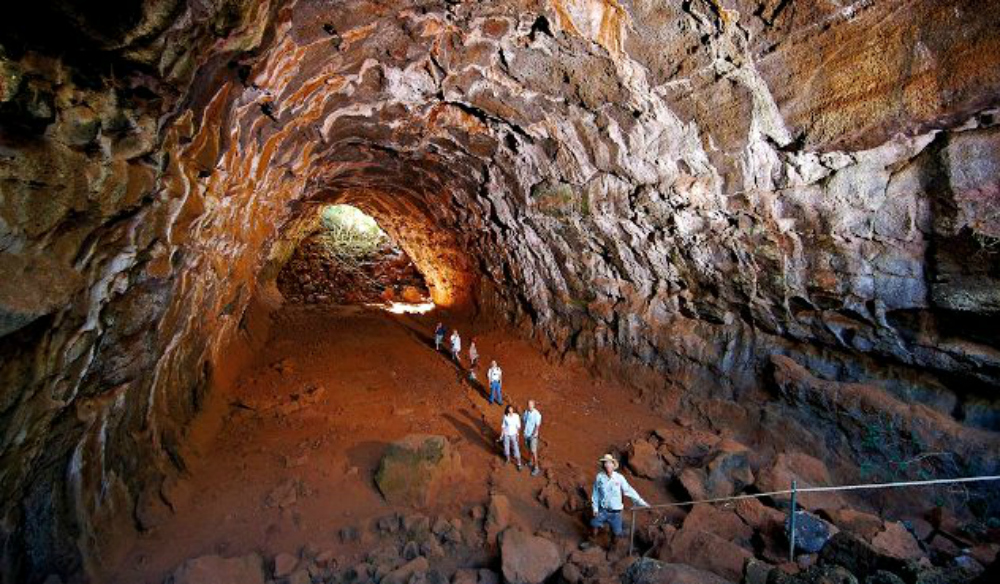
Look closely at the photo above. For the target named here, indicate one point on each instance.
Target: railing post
(791, 525)
(631, 534)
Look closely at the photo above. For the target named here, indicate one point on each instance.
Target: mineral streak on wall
(690, 186)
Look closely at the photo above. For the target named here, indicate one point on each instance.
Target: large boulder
(646, 571)
(686, 443)
(413, 469)
(644, 461)
(721, 521)
(807, 471)
(729, 471)
(527, 559)
(218, 570)
(707, 551)
(860, 558)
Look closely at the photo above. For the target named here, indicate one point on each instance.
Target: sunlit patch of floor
(406, 307)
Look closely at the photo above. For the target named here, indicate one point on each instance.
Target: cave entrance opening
(349, 259)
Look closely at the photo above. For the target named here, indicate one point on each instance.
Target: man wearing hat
(609, 486)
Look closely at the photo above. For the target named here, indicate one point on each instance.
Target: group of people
(610, 487)
(494, 374)
(510, 430)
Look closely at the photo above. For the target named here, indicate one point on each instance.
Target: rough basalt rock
(414, 469)
(688, 186)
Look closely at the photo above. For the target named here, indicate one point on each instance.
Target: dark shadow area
(470, 434)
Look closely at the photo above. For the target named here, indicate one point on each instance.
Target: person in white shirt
(456, 347)
(495, 376)
(606, 499)
(509, 430)
(532, 423)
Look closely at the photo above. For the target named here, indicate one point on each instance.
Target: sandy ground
(364, 378)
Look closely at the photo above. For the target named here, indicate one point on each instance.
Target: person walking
(495, 376)
(456, 347)
(509, 430)
(439, 331)
(532, 423)
(473, 358)
(606, 498)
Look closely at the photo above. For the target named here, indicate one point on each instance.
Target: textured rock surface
(527, 559)
(413, 469)
(691, 186)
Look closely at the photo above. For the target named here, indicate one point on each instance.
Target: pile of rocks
(316, 275)
(747, 540)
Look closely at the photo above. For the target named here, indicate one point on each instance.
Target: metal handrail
(793, 491)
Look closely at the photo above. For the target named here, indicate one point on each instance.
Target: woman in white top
(509, 430)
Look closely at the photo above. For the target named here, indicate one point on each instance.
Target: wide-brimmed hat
(608, 458)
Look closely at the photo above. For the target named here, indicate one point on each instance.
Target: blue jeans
(496, 396)
(612, 519)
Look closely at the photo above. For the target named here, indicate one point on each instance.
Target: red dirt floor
(379, 379)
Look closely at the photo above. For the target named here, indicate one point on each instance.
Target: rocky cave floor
(279, 483)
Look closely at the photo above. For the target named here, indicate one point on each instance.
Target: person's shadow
(470, 433)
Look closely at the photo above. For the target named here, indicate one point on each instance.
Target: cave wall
(691, 186)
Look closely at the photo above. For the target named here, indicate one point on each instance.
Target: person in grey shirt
(606, 499)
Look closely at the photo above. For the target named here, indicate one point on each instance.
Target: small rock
(883, 577)
(388, 524)
(895, 541)
(464, 576)
(416, 524)
(811, 532)
(284, 495)
(300, 576)
(488, 577)
(440, 526)
(857, 522)
(349, 534)
(756, 571)
(326, 559)
(694, 481)
(403, 574)
(432, 549)
(411, 550)
(571, 574)
(646, 571)
(284, 564)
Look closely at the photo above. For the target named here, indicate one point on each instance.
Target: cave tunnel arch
(573, 179)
